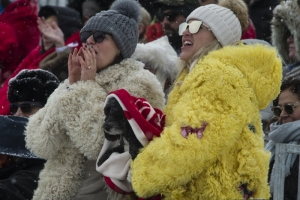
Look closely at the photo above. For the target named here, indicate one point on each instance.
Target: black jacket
(19, 181)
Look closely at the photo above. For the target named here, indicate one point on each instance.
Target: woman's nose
(186, 32)
(19, 113)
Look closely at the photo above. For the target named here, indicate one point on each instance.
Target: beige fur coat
(69, 130)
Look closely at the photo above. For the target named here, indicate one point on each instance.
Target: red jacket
(19, 34)
(30, 62)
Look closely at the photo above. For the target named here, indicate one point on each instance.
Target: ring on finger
(89, 67)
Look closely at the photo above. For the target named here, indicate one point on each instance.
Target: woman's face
(287, 97)
(191, 43)
(48, 43)
(106, 51)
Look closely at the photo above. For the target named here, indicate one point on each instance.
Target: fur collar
(286, 17)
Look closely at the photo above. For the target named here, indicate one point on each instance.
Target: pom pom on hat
(127, 8)
(121, 21)
(32, 85)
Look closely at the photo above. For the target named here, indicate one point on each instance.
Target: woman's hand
(82, 65)
(87, 61)
(51, 32)
(74, 68)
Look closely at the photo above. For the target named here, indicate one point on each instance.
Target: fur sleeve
(170, 162)
(45, 135)
(81, 110)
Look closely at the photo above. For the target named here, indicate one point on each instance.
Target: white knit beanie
(222, 21)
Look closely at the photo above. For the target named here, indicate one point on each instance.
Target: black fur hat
(32, 85)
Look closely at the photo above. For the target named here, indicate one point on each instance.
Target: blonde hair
(190, 64)
(145, 17)
(145, 21)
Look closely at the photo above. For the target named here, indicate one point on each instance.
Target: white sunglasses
(193, 27)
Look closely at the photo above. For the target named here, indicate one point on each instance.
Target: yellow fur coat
(225, 91)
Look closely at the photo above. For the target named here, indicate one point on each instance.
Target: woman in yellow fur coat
(212, 145)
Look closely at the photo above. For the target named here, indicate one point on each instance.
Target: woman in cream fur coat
(68, 131)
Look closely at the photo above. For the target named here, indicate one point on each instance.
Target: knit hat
(146, 122)
(32, 85)
(222, 21)
(121, 21)
(12, 137)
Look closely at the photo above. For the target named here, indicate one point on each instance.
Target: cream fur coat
(68, 129)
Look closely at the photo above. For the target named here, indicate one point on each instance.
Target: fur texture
(239, 8)
(285, 20)
(69, 127)
(159, 56)
(224, 91)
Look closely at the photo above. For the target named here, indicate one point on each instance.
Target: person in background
(171, 13)
(68, 131)
(212, 145)
(19, 35)
(286, 130)
(29, 90)
(57, 41)
(285, 35)
(19, 168)
(144, 23)
(89, 9)
(261, 14)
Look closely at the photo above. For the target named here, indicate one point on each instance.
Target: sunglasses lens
(98, 36)
(26, 108)
(182, 27)
(277, 111)
(194, 26)
(13, 108)
(288, 109)
(84, 36)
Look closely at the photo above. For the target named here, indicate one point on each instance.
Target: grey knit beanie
(121, 21)
(222, 21)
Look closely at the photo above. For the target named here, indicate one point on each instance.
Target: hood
(286, 17)
(262, 71)
(160, 56)
(69, 20)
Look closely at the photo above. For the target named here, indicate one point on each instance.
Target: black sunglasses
(98, 36)
(25, 107)
(171, 16)
(288, 108)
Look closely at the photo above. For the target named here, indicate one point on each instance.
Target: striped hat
(145, 121)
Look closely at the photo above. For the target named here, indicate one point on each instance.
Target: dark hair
(292, 83)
